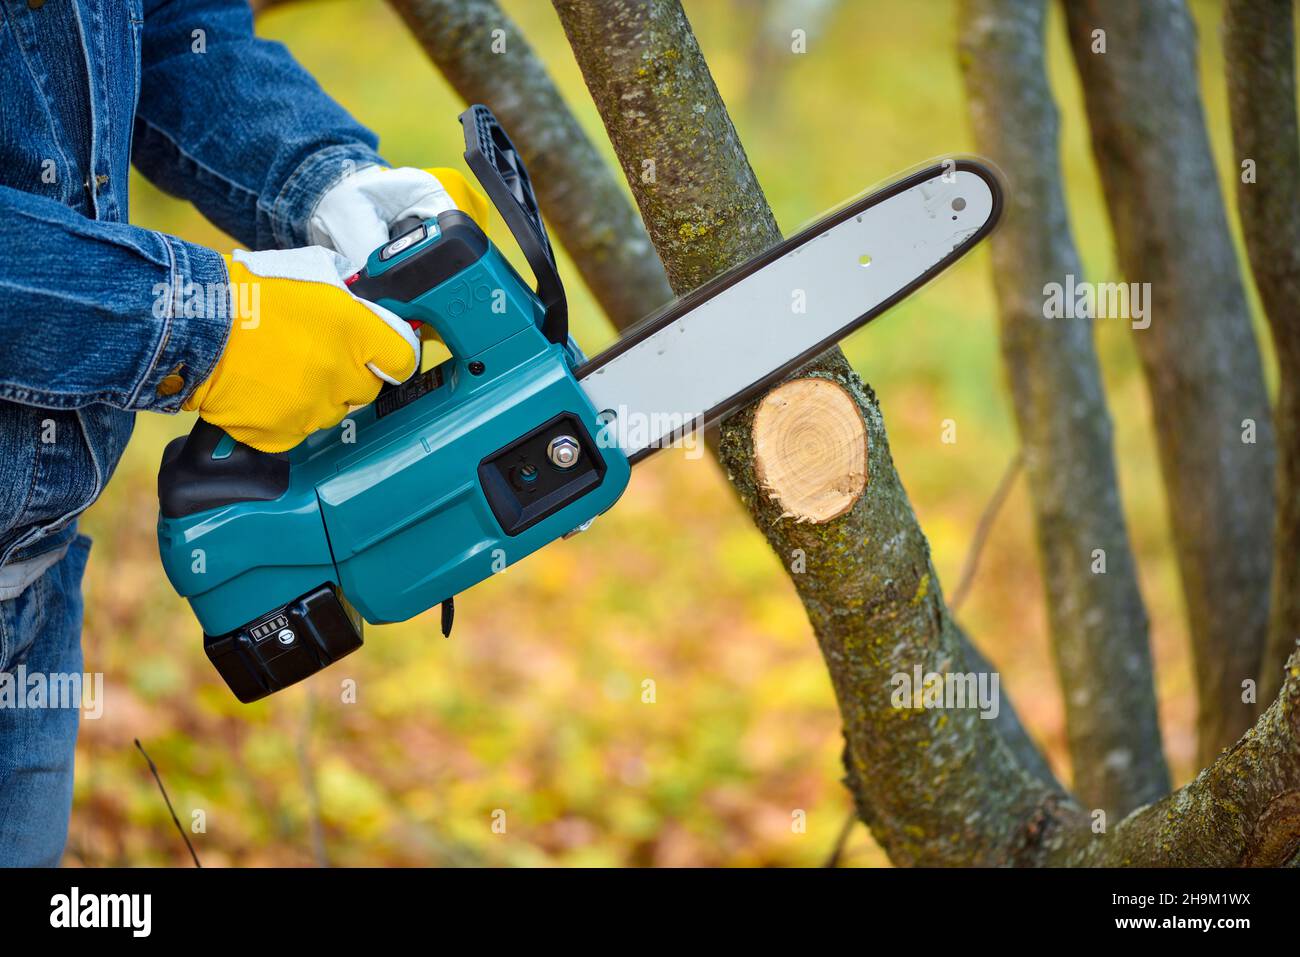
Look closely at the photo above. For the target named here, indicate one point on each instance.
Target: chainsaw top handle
(493, 159)
(496, 164)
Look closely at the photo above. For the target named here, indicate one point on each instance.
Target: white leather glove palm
(354, 216)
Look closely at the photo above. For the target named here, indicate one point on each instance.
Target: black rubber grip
(191, 480)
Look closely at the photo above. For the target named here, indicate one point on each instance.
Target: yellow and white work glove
(302, 349)
(355, 215)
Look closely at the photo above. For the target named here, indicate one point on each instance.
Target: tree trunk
(934, 786)
(698, 196)
(1098, 622)
(576, 189)
(1199, 354)
(1259, 51)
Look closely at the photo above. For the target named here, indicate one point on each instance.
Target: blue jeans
(40, 630)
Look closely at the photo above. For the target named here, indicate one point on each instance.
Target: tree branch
(1259, 55)
(1199, 353)
(836, 855)
(1242, 810)
(583, 202)
(1098, 622)
(983, 529)
(153, 769)
(934, 786)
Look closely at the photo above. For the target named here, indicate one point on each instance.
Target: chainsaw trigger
(448, 613)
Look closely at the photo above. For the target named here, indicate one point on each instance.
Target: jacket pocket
(22, 619)
(53, 464)
(46, 608)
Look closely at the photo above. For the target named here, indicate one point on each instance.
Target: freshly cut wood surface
(810, 449)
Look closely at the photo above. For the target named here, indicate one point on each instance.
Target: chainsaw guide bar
(711, 351)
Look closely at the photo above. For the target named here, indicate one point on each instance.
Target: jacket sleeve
(103, 312)
(233, 124)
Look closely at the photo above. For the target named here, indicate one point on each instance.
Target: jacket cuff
(313, 178)
(196, 310)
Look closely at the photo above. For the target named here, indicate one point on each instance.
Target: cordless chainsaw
(517, 439)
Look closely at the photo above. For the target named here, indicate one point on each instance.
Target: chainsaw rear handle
(209, 468)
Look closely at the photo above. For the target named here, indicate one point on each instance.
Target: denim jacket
(94, 319)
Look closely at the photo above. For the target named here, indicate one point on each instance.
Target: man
(100, 319)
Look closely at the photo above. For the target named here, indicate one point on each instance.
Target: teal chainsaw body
(441, 482)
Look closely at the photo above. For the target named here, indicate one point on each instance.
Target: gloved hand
(354, 216)
(302, 349)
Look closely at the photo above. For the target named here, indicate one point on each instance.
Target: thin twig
(157, 777)
(982, 531)
(837, 852)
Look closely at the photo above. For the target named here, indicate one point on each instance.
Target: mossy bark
(583, 203)
(1098, 622)
(1259, 58)
(1243, 810)
(698, 195)
(935, 787)
(1201, 361)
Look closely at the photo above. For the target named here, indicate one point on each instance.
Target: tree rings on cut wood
(810, 449)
